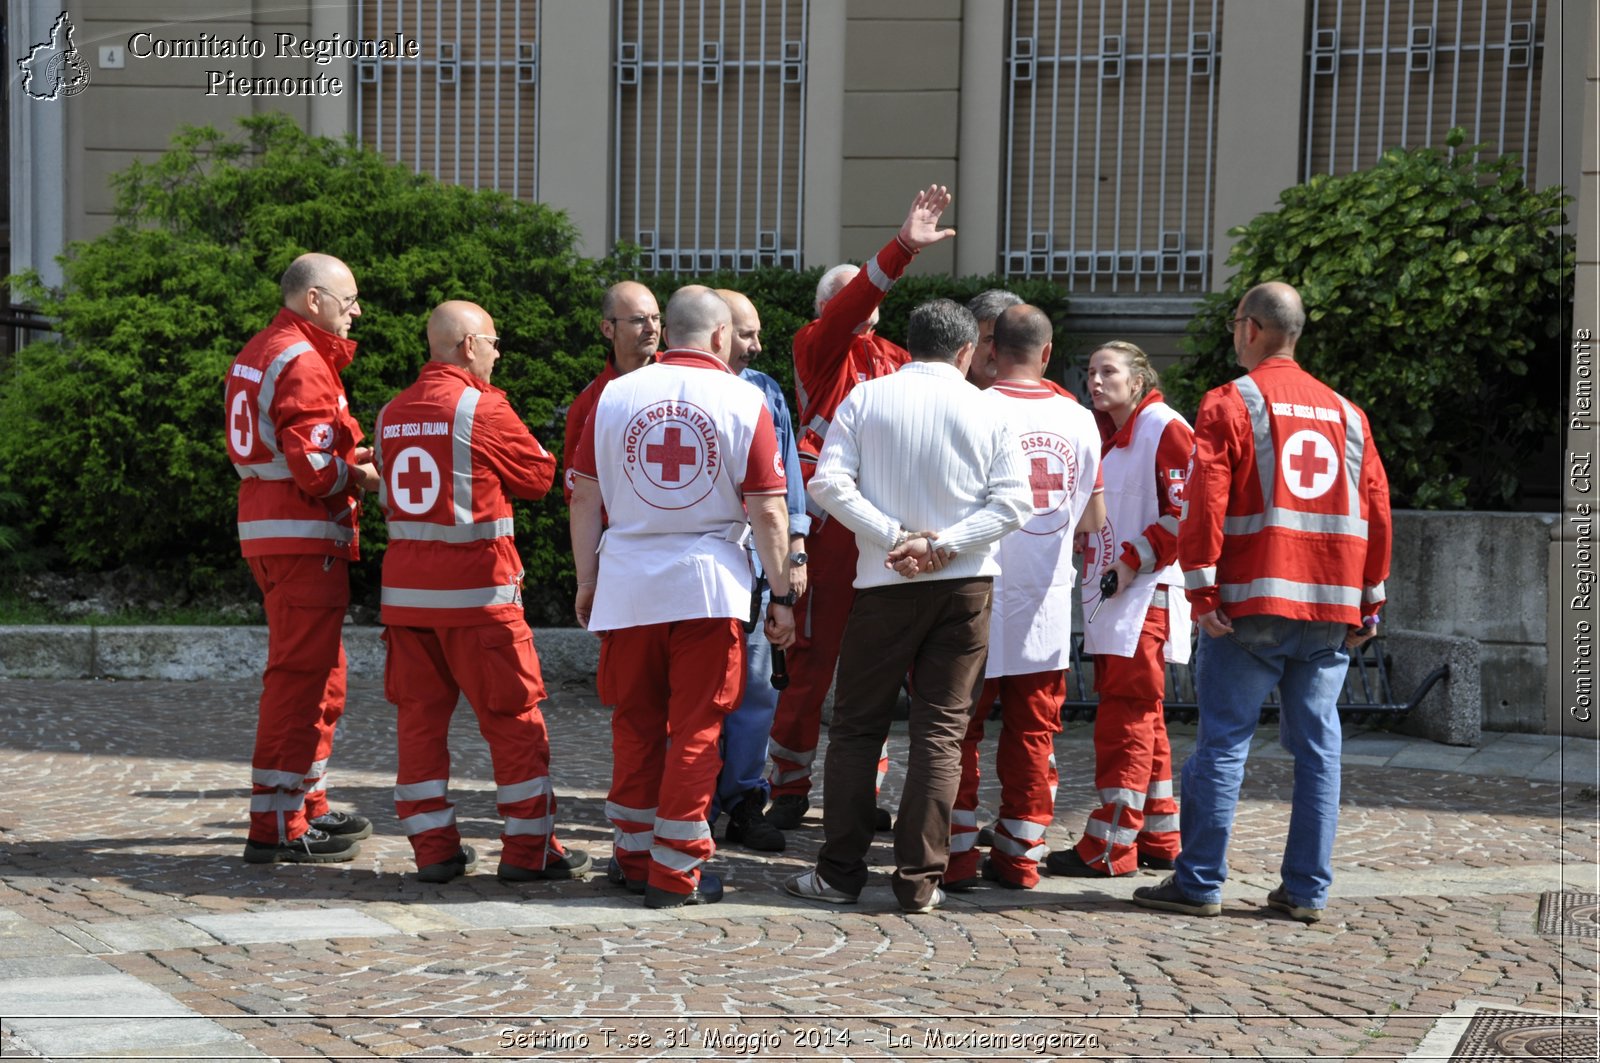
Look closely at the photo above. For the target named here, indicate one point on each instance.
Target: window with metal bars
(466, 109)
(1402, 73)
(1110, 143)
(709, 128)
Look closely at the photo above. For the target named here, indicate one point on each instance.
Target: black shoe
(707, 891)
(1278, 900)
(882, 820)
(749, 828)
(992, 874)
(465, 862)
(574, 863)
(985, 836)
(1157, 863)
(1167, 897)
(788, 810)
(343, 825)
(615, 876)
(312, 847)
(1067, 863)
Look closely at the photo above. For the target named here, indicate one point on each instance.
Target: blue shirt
(799, 519)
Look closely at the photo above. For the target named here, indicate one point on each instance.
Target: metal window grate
(1110, 143)
(709, 131)
(1402, 73)
(466, 109)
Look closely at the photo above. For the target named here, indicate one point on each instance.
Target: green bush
(1435, 286)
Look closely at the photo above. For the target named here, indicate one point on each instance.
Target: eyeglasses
(1233, 322)
(494, 341)
(637, 321)
(344, 304)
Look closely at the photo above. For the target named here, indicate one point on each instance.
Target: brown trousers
(938, 631)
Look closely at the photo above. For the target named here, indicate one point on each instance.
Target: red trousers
(1132, 758)
(819, 619)
(495, 666)
(672, 684)
(302, 690)
(1025, 761)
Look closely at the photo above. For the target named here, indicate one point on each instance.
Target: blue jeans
(745, 730)
(1307, 662)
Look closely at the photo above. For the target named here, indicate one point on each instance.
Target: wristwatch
(785, 599)
(799, 557)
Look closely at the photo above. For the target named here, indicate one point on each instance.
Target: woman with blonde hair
(1145, 446)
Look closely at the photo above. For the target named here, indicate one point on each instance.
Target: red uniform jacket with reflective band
(577, 414)
(829, 359)
(292, 439)
(451, 452)
(1286, 508)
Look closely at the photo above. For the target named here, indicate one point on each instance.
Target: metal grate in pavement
(1568, 914)
(1494, 1035)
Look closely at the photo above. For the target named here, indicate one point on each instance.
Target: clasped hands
(916, 555)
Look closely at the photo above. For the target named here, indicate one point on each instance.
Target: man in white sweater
(928, 480)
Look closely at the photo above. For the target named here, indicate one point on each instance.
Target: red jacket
(292, 439)
(1286, 509)
(830, 360)
(451, 451)
(580, 410)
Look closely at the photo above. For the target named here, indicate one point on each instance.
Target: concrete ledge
(1452, 712)
(189, 653)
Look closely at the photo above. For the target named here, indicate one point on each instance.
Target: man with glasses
(295, 446)
(1284, 545)
(630, 320)
(452, 454)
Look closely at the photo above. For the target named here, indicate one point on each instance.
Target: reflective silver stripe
(1119, 795)
(1295, 520)
(1158, 600)
(542, 825)
(964, 842)
(1021, 850)
(802, 772)
(1355, 446)
(292, 529)
(776, 751)
(1164, 824)
(631, 815)
(277, 801)
(339, 481)
(1147, 554)
(420, 791)
(422, 821)
(1168, 524)
(880, 280)
(964, 818)
(318, 787)
(1289, 590)
(511, 793)
(1346, 523)
(1099, 828)
(1159, 789)
(461, 454)
(423, 531)
(682, 830)
(276, 469)
(820, 425)
(632, 841)
(269, 391)
(1024, 829)
(318, 459)
(282, 780)
(1374, 594)
(674, 859)
(317, 768)
(1197, 579)
(1255, 405)
(471, 598)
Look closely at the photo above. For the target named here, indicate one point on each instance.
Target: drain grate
(1567, 914)
(1494, 1035)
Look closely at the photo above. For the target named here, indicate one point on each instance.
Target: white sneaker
(933, 902)
(808, 886)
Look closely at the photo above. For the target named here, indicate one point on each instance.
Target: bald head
(310, 270)
(630, 320)
(1022, 335)
(698, 318)
(1277, 307)
(462, 333)
(321, 289)
(744, 342)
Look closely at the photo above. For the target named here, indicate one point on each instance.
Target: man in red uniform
(831, 356)
(675, 453)
(294, 444)
(1284, 544)
(451, 450)
(630, 320)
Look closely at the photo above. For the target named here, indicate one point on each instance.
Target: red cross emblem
(1310, 463)
(671, 455)
(1043, 481)
(415, 481)
(241, 430)
(1053, 478)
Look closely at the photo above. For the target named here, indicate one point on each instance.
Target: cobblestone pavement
(129, 925)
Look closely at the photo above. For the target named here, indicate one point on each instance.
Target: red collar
(1110, 435)
(1024, 389)
(337, 351)
(691, 357)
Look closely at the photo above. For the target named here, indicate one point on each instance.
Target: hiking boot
(343, 825)
(573, 863)
(1278, 900)
(986, 835)
(788, 810)
(808, 886)
(749, 828)
(1167, 897)
(992, 874)
(616, 877)
(465, 862)
(312, 847)
(1068, 864)
(1157, 863)
(707, 891)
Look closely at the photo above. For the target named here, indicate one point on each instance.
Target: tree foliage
(1435, 285)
